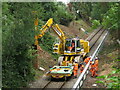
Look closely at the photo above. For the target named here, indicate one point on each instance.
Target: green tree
(18, 38)
(110, 18)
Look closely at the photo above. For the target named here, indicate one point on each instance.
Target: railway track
(93, 39)
(93, 52)
(57, 85)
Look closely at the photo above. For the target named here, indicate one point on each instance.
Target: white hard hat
(90, 56)
(92, 62)
(96, 57)
(75, 60)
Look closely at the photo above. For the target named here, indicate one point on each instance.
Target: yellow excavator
(70, 49)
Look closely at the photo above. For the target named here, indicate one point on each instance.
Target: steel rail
(46, 85)
(60, 87)
(82, 77)
(93, 35)
(96, 39)
(92, 38)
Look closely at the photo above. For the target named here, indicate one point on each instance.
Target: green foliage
(95, 24)
(106, 13)
(103, 76)
(57, 11)
(46, 43)
(114, 80)
(17, 68)
(61, 15)
(111, 80)
(100, 82)
(84, 9)
(18, 37)
(110, 19)
(98, 9)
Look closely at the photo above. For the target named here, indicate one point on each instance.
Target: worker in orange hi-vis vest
(75, 69)
(93, 70)
(87, 59)
(96, 64)
(81, 68)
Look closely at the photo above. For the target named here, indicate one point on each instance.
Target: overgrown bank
(18, 33)
(18, 37)
(109, 69)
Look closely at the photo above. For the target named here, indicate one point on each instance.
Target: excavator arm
(59, 32)
(44, 28)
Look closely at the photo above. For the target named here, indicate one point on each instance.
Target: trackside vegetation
(18, 38)
(18, 53)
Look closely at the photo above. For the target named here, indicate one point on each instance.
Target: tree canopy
(18, 32)
(105, 12)
(18, 37)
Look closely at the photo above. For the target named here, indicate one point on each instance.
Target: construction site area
(60, 45)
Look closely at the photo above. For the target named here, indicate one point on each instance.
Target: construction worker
(75, 69)
(87, 59)
(72, 47)
(96, 64)
(81, 67)
(93, 69)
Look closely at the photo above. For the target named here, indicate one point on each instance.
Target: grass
(38, 74)
(109, 55)
(84, 25)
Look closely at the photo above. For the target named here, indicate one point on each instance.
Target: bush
(18, 37)
(110, 19)
(95, 24)
(111, 79)
(17, 68)
(46, 43)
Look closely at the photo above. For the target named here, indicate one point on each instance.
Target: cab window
(78, 43)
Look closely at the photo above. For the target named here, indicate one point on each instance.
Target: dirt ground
(74, 29)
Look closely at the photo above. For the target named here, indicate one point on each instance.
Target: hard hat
(90, 56)
(82, 65)
(96, 57)
(76, 61)
(92, 62)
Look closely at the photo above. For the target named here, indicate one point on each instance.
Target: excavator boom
(70, 49)
(45, 27)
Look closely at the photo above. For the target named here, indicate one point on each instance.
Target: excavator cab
(72, 45)
(65, 46)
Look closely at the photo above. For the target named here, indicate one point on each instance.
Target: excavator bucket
(48, 24)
